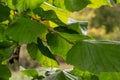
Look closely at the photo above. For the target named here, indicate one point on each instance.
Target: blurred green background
(104, 22)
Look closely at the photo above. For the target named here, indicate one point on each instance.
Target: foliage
(29, 22)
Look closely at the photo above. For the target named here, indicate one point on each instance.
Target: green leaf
(5, 53)
(32, 50)
(58, 45)
(76, 5)
(61, 75)
(48, 15)
(44, 49)
(95, 56)
(5, 73)
(35, 53)
(4, 13)
(23, 5)
(25, 30)
(30, 72)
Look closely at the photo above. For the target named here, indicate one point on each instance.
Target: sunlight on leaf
(61, 14)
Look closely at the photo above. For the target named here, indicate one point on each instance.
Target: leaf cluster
(31, 22)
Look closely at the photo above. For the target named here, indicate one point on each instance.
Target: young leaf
(76, 5)
(95, 56)
(25, 30)
(4, 13)
(44, 50)
(5, 73)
